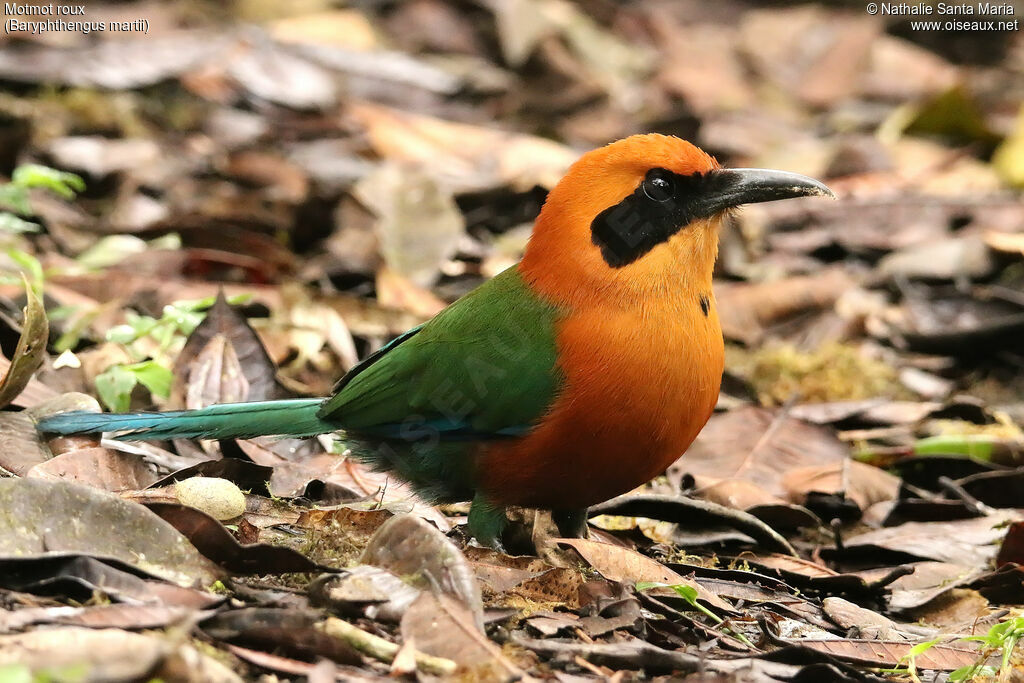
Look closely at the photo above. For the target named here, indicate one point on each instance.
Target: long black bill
(731, 187)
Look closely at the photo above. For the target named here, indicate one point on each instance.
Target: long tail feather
(293, 417)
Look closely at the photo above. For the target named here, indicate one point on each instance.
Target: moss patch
(834, 372)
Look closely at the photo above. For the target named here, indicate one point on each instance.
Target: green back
(484, 367)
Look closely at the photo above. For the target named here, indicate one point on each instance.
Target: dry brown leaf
(746, 309)
(444, 627)
(408, 546)
(20, 447)
(622, 564)
(100, 653)
(754, 446)
(98, 467)
(34, 522)
(884, 653)
(968, 541)
(863, 484)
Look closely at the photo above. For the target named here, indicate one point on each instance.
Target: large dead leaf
(99, 654)
(40, 518)
(740, 457)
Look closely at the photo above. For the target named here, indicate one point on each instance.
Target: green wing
(485, 367)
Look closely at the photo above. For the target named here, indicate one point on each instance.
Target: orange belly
(635, 395)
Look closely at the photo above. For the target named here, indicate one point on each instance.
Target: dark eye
(658, 185)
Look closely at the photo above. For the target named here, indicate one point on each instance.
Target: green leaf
(970, 673)
(114, 387)
(65, 184)
(122, 334)
(153, 376)
(11, 223)
(16, 199)
(919, 649)
(15, 673)
(29, 263)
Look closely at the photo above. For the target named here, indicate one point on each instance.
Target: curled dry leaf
(31, 349)
(217, 544)
(444, 627)
(411, 547)
(41, 517)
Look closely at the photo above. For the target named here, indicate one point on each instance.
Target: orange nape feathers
(560, 260)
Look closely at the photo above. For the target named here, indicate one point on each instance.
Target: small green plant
(152, 366)
(15, 203)
(1002, 637)
(689, 594)
(907, 666)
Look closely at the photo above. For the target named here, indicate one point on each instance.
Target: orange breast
(640, 383)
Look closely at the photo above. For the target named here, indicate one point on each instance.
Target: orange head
(640, 217)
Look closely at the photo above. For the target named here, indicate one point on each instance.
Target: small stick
(383, 650)
(973, 505)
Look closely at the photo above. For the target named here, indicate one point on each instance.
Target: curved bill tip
(734, 187)
(765, 185)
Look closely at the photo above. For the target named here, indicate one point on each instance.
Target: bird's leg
(486, 522)
(571, 523)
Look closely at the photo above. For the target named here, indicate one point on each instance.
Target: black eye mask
(662, 205)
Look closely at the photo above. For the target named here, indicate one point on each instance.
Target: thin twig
(973, 505)
(383, 650)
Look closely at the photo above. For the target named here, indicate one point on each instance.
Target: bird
(572, 377)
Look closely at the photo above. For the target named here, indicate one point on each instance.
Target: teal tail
(293, 417)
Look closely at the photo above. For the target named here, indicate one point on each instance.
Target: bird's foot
(571, 523)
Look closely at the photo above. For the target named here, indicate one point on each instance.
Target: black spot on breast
(705, 304)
